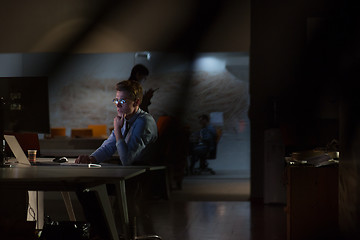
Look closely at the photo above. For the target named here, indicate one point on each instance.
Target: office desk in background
(42, 178)
(312, 202)
(68, 147)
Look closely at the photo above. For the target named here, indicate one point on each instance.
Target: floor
(229, 220)
(215, 207)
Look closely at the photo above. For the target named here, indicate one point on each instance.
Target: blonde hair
(132, 87)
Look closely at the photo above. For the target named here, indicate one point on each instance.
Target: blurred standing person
(139, 73)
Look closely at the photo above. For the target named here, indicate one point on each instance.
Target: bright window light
(209, 64)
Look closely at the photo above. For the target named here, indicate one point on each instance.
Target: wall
(82, 89)
(10, 65)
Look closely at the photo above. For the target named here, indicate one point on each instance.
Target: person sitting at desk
(134, 133)
(202, 142)
(134, 129)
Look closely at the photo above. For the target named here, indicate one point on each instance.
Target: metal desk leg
(68, 205)
(36, 202)
(103, 197)
(122, 202)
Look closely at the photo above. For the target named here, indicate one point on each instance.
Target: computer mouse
(60, 160)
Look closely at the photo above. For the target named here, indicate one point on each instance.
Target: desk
(43, 178)
(312, 202)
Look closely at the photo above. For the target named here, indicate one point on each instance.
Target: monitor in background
(26, 107)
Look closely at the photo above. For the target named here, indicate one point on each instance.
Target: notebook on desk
(20, 155)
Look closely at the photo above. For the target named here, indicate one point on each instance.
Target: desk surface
(103, 165)
(69, 178)
(50, 178)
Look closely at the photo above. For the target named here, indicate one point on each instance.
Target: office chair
(140, 218)
(58, 132)
(211, 155)
(99, 130)
(81, 133)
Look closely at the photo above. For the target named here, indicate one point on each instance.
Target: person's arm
(106, 150)
(142, 132)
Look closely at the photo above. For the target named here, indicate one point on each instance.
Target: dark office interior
(303, 67)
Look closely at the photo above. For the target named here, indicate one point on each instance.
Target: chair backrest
(81, 132)
(172, 140)
(58, 132)
(99, 130)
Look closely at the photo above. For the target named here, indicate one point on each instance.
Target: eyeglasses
(117, 101)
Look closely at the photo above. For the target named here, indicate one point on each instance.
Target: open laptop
(20, 155)
(22, 158)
